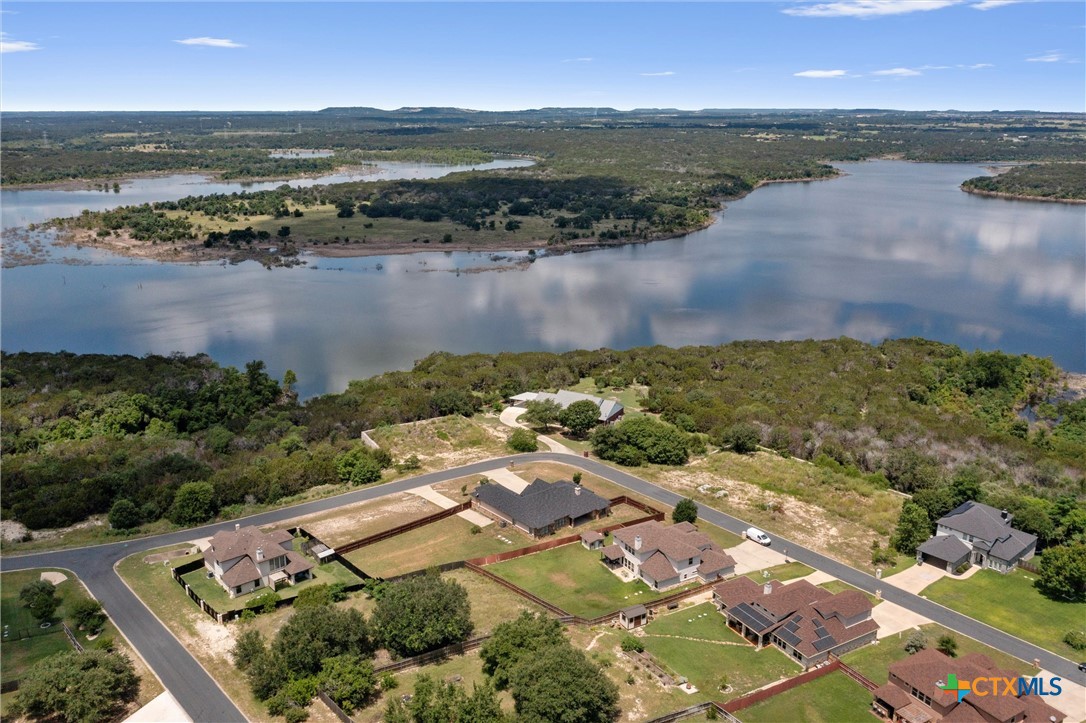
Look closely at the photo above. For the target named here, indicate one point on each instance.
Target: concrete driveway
(918, 577)
(430, 494)
(895, 620)
(752, 556)
(507, 479)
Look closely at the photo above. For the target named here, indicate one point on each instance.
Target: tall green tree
(560, 683)
(83, 687)
(348, 680)
(514, 640)
(1063, 572)
(422, 613)
(580, 417)
(40, 597)
(913, 528)
(543, 412)
(685, 511)
(315, 633)
(193, 503)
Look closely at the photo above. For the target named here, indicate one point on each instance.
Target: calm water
(893, 249)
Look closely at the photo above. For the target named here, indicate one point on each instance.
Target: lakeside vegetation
(1040, 181)
(601, 179)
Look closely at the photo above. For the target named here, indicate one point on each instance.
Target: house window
(237, 590)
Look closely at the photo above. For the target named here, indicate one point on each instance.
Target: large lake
(892, 249)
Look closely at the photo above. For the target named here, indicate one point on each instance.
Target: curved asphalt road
(201, 697)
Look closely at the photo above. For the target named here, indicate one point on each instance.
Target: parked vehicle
(753, 533)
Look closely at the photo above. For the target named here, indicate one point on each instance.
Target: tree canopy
(559, 684)
(83, 687)
(422, 613)
(514, 640)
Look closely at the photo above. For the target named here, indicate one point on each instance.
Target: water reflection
(891, 250)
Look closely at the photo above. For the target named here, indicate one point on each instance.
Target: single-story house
(541, 507)
(664, 556)
(245, 559)
(805, 621)
(913, 693)
(610, 410)
(633, 617)
(987, 533)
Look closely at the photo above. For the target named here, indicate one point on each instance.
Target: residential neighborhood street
(202, 699)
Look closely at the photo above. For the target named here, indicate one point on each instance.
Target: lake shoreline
(1021, 197)
(94, 184)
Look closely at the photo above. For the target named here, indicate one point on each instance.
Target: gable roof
(608, 407)
(542, 503)
(677, 542)
(1013, 546)
(659, 568)
(713, 561)
(229, 544)
(987, 523)
(946, 547)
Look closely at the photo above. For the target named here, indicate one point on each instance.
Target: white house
(979, 534)
(664, 556)
(246, 559)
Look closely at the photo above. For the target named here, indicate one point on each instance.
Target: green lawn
(704, 663)
(443, 541)
(575, 580)
(700, 621)
(874, 660)
(781, 573)
(834, 698)
(836, 586)
(1012, 604)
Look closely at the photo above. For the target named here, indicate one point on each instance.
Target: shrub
(916, 642)
(264, 602)
(522, 440)
(947, 645)
(1076, 639)
(632, 644)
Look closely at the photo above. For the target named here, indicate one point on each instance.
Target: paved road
(204, 701)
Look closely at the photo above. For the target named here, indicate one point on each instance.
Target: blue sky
(906, 54)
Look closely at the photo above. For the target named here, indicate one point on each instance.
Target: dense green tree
(1063, 572)
(741, 438)
(124, 515)
(87, 614)
(74, 686)
(916, 642)
(522, 440)
(560, 684)
(435, 701)
(514, 640)
(947, 645)
(543, 412)
(422, 613)
(685, 511)
(580, 417)
(936, 501)
(250, 645)
(358, 466)
(317, 595)
(315, 633)
(267, 674)
(193, 503)
(632, 441)
(40, 597)
(913, 528)
(348, 680)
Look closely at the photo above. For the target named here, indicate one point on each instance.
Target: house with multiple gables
(807, 622)
(974, 533)
(542, 507)
(664, 556)
(245, 559)
(610, 410)
(913, 693)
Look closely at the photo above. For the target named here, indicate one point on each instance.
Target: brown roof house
(805, 621)
(246, 559)
(541, 507)
(929, 687)
(664, 556)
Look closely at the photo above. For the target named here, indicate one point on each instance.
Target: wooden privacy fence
(549, 607)
(734, 706)
(433, 655)
(334, 707)
(406, 527)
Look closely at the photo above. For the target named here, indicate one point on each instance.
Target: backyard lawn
(1011, 603)
(833, 698)
(700, 621)
(575, 580)
(874, 660)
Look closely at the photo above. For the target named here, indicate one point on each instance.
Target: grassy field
(575, 580)
(1011, 603)
(631, 397)
(836, 586)
(834, 698)
(874, 660)
(17, 655)
(352, 522)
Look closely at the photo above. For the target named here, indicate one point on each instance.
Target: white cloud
(898, 72)
(16, 46)
(211, 42)
(658, 75)
(821, 74)
(867, 8)
(989, 4)
(578, 60)
(1052, 56)
(977, 66)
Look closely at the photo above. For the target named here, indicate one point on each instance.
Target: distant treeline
(1056, 181)
(81, 433)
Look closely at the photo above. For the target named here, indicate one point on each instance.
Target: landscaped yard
(836, 586)
(833, 698)
(575, 580)
(874, 660)
(1011, 603)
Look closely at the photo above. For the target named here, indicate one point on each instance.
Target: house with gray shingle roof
(245, 559)
(610, 410)
(987, 533)
(541, 507)
(664, 556)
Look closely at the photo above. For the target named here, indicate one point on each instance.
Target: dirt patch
(355, 521)
(217, 639)
(54, 577)
(172, 554)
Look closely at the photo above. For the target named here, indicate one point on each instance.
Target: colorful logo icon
(960, 687)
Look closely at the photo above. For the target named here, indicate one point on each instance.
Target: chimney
(577, 491)
(767, 588)
(259, 554)
(237, 527)
(637, 543)
(1006, 517)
